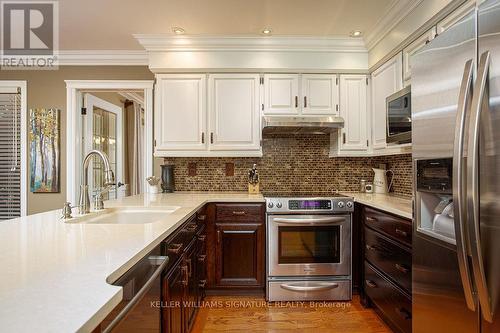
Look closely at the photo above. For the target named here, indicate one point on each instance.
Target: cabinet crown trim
(164, 42)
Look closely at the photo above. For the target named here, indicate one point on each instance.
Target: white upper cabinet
(233, 104)
(294, 94)
(353, 108)
(411, 49)
(320, 94)
(386, 80)
(180, 112)
(455, 16)
(281, 94)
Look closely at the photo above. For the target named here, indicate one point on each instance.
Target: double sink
(125, 215)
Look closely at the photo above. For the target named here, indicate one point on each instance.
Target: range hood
(301, 125)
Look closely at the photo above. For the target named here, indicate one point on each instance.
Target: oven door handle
(319, 287)
(321, 220)
(140, 294)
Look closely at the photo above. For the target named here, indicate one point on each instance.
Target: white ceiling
(109, 24)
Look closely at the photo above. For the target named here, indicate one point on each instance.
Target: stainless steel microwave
(399, 117)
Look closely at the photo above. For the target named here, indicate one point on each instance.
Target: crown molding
(397, 12)
(103, 58)
(169, 43)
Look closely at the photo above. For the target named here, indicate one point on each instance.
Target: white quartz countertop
(55, 275)
(390, 203)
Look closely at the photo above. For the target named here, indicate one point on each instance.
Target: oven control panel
(306, 205)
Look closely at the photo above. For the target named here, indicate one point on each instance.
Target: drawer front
(239, 212)
(296, 290)
(394, 227)
(391, 259)
(394, 304)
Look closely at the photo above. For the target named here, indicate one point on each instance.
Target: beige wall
(418, 17)
(47, 89)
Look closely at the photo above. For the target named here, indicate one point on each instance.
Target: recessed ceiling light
(266, 31)
(178, 31)
(355, 33)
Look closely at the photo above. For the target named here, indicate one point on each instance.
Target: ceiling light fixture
(356, 33)
(178, 31)
(266, 31)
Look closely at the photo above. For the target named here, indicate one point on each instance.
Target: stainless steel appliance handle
(319, 220)
(464, 100)
(321, 287)
(140, 294)
(481, 97)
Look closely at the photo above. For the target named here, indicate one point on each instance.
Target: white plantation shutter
(10, 153)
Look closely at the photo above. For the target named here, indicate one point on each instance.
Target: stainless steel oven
(302, 245)
(309, 248)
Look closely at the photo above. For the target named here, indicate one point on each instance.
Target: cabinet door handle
(371, 219)
(305, 101)
(202, 257)
(189, 267)
(371, 284)
(202, 137)
(202, 284)
(211, 137)
(218, 236)
(202, 238)
(403, 313)
(185, 280)
(202, 217)
(402, 268)
(174, 248)
(401, 232)
(239, 212)
(343, 138)
(296, 101)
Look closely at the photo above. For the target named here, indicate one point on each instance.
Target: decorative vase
(167, 178)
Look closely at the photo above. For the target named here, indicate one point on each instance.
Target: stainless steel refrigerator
(456, 160)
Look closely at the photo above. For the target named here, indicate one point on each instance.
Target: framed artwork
(45, 155)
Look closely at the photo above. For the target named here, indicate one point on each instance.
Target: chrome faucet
(109, 180)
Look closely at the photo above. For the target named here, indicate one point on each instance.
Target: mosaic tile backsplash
(289, 164)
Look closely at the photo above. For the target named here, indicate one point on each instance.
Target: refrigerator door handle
(481, 97)
(464, 102)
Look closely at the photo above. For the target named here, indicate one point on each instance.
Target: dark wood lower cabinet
(386, 267)
(173, 295)
(184, 282)
(239, 254)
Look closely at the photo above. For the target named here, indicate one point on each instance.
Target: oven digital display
(309, 204)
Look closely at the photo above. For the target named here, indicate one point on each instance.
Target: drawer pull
(370, 247)
(202, 217)
(402, 268)
(239, 212)
(202, 284)
(202, 238)
(174, 248)
(401, 232)
(403, 313)
(191, 227)
(371, 284)
(371, 219)
(202, 257)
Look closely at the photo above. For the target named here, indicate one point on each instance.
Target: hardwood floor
(250, 313)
